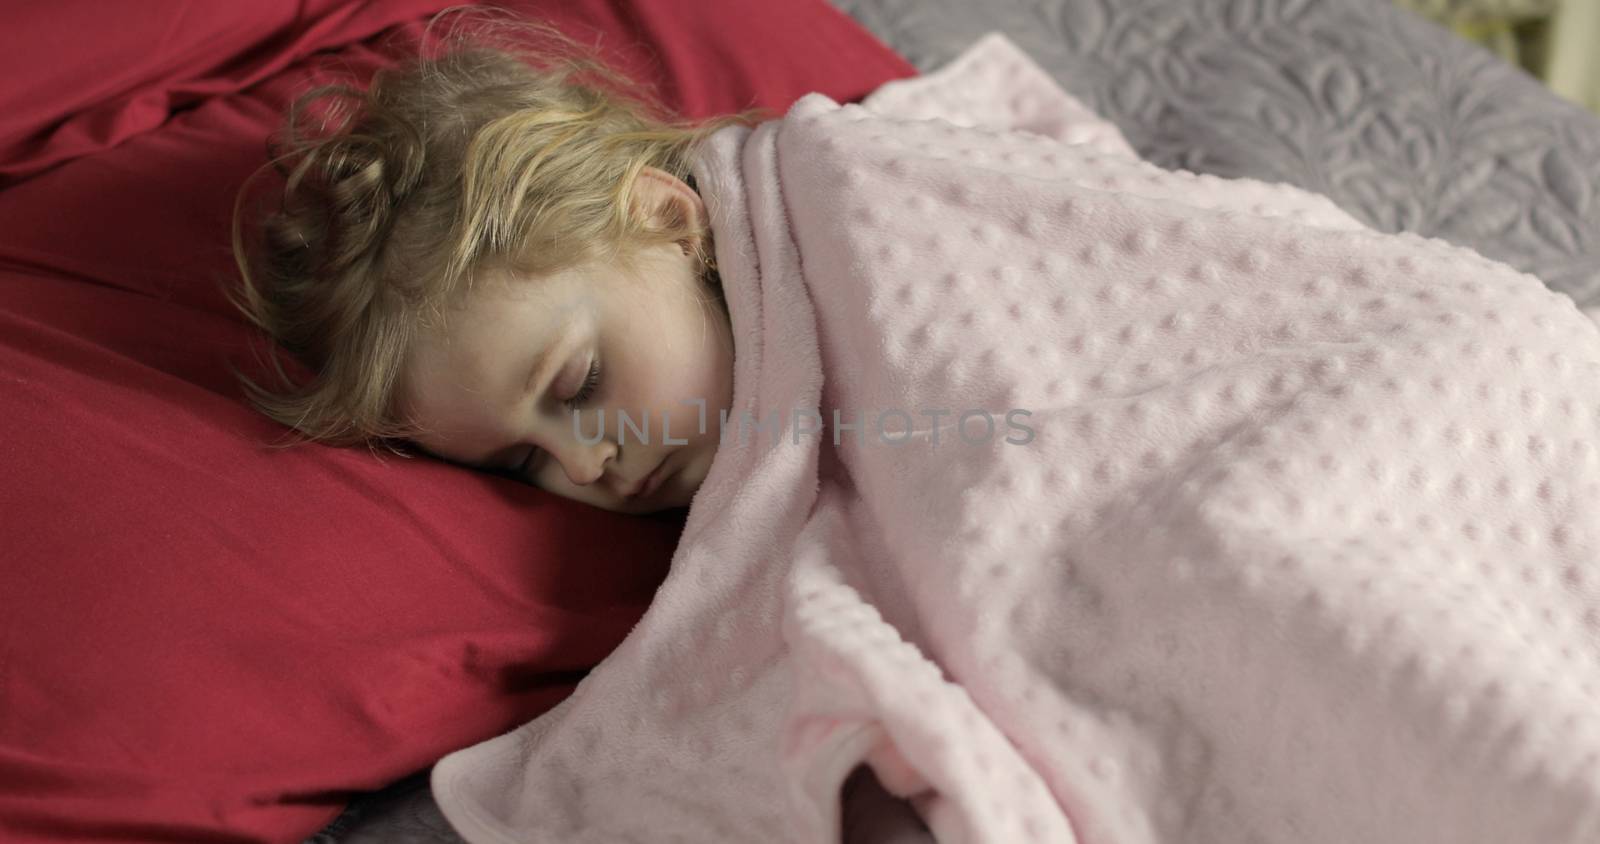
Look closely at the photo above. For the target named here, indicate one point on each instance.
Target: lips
(650, 482)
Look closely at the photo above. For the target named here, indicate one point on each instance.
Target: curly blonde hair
(474, 157)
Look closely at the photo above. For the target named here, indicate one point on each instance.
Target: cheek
(709, 375)
(668, 369)
(668, 384)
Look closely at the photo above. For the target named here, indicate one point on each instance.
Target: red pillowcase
(202, 637)
(127, 70)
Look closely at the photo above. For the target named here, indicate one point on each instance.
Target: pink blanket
(1279, 529)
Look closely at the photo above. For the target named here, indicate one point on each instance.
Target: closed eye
(590, 384)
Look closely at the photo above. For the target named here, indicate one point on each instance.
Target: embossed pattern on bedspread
(1404, 125)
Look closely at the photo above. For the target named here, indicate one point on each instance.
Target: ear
(668, 202)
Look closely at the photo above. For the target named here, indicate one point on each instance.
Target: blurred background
(1555, 40)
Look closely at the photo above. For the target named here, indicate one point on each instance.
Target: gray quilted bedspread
(1404, 125)
(1399, 122)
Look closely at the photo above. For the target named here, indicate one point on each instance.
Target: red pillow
(203, 638)
(130, 69)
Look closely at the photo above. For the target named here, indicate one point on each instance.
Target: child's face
(490, 401)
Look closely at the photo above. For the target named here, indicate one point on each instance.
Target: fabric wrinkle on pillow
(131, 73)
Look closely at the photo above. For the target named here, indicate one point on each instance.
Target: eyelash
(590, 383)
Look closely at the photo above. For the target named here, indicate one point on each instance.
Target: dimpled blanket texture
(1301, 548)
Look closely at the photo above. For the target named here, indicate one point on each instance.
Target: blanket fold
(1103, 504)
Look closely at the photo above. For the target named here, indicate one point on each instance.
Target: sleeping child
(1300, 546)
(504, 268)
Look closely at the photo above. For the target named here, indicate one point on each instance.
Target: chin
(672, 500)
(648, 508)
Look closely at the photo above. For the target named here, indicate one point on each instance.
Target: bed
(1405, 126)
(1400, 123)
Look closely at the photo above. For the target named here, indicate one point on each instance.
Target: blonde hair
(480, 156)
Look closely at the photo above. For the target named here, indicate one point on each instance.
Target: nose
(585, 464)
(583, 461)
